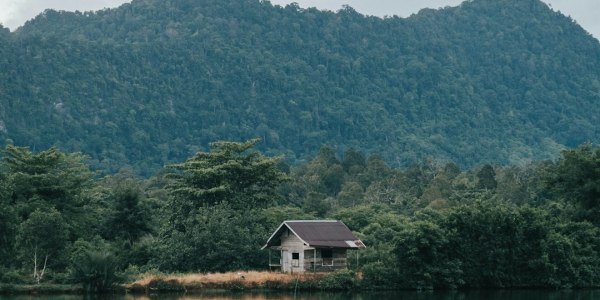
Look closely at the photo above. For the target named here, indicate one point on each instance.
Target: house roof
(318, 233)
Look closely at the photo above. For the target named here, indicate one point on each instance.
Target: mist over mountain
(152, 82)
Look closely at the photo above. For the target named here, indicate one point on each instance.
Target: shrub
(377, 275)
(95, 270)
(13, 276)
(58, 277)
(339, 280)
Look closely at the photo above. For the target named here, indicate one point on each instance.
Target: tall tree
(8, 227)
(230, 173)
(50, 178)
(130, 218)
(354, 162)
(40, 240)
(576, 177)
(486, 178)
(422, 250)
(215, 219)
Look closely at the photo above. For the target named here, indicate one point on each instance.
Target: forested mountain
(152, 82)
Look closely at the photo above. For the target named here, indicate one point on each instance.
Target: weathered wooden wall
(290, 243)
(339, 261)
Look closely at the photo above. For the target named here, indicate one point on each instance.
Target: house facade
(311, 246)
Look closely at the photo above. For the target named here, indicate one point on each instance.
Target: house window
(295, 259)
(327, 256)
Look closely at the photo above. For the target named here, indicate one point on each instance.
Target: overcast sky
(13, 13)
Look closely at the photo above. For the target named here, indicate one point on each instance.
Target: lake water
(402, 295)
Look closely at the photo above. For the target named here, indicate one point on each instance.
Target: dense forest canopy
(427, 226)
(152, 82)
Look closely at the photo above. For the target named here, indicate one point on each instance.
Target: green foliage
(275, 215)
(380, 276)
(487, 244)
(576, 177)
(339, 280)
(8, 229)
(502, 237)
(45, 180)
(51, 176)
(217, 239)
(354, 161)
(424, 261)
(231, 173)
(571, 255)
(130, 219)
(51, 199)
(146, 84)
(428, 226)
(216, 209)
(42, 238)
(13, 276)
(486, 178)
(95, 269)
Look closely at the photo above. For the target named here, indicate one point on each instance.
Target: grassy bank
(190, 283)
(341, 280)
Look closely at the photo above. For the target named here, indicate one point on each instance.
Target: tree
(215, 219)
(486, 178)
(8, 227)
(350, 195)
(354, 162)
(324, 174)
(576, 177)
(96, 270)
(8, 223)
(93, 265)
(230, 173)
(40, 239)
(217, 239)
(423, 252)
(129, 219)
(377, 169)
(49, 178)
(317, 204)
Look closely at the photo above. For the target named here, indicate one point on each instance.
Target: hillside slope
(151, 82)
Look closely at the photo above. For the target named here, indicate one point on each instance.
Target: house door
(286, 261)
(298, 261)
(292, 262)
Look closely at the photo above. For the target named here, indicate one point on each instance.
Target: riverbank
(197, 283)
(235, 281)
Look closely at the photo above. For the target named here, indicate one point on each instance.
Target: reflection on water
(400, 295)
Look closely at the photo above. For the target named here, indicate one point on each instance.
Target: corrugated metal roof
(319, 233)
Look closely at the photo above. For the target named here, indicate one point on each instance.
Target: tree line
(430, 225)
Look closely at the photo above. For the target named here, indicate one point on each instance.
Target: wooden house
(311, 246)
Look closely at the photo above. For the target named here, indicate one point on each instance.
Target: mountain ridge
(151, 82)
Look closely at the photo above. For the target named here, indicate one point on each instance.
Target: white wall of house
(292, 247)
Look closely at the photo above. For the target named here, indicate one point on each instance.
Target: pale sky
(13, 13)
